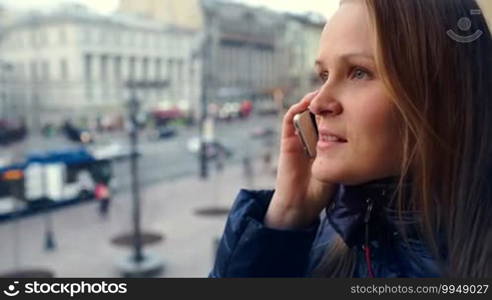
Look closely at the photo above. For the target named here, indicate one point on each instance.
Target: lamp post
(134, 107)
(204, 53)
(139, 263)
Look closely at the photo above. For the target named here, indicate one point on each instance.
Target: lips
(329, 136)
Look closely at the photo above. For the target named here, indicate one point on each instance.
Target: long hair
(442, 89)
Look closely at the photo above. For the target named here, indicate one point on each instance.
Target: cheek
(371, 128)
(376, 136)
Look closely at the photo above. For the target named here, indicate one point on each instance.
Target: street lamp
(204, 53)
(139, 263)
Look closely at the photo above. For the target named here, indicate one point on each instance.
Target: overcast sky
(325, 7)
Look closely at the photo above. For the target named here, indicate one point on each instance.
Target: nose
(325, 104)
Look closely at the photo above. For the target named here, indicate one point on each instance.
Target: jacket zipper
(366, 246)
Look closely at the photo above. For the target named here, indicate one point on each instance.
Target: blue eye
(360, 73)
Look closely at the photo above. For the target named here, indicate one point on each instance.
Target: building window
(34, 71)
(171, 77)
(46, 70)
(88, 76)
(158, 75)
(158, 69)
(104, 75)
(104, 67)
(170, 69)
(179, 75)
(63, 70)
(22, 71)
(118, 76)
(145, 68)
(88, 67)
(117, 68)
(131, 72)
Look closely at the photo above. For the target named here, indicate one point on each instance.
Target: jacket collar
(350, 211)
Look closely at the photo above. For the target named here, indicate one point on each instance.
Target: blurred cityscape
(125, 137)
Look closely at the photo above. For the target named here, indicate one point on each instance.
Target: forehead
(349, 30)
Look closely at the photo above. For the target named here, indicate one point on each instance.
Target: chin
(337, 172)
(328, 172)
(331, 171)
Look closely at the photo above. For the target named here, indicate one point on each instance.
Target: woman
(401, 183)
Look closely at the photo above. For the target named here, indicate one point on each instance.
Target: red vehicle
(246, 108)
(163, 116)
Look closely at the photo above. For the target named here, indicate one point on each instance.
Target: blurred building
(8, 106)
(255, 51)
(183, 13)
(6, 16)
(302, 36)
(246, 54)
(74, 63)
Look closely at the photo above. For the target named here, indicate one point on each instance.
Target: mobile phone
(305, 124)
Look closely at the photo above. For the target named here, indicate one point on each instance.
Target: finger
(288, 127)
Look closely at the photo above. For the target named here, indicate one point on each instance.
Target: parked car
(266, 108)
(11, 131)
(229, 111)
(263, 132)
(163, 132)
(213, 148)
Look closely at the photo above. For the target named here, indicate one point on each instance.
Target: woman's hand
(298, 198)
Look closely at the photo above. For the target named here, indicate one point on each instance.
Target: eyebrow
(319, 63)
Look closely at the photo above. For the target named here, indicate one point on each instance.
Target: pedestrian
(220, 158)
(400, 184)
(248, 170)
(267, 159)
(103, 196)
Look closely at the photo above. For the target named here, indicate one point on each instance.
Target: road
(166, 159)
(170, 159)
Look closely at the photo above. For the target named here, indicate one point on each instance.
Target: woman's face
(353, 104)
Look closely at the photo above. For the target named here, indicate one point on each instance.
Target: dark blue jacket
(250, 249)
